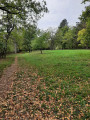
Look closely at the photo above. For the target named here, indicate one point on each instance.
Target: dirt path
(7, 78)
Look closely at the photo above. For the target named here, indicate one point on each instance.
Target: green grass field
(61, 63)
(66, 76)
(56, 82)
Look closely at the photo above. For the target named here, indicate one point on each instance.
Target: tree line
(19, 32)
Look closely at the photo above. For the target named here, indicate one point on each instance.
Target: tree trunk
(86, 47)
(52, 45)
(15, 45)
(41, 51)
(10, 27)
(29, 50)
(5, 49)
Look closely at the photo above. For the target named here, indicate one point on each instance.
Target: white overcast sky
(60, 9)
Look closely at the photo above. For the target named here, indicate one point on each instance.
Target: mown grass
(66, 76)
(6, 62)
(73, 63)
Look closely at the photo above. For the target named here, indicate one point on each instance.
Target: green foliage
(75, 37)
(29, 35)
(84, 35)
(85, 14)
(23, 9)
(41, 41)
(70, 38)
(16, 13)
(84, 1)
(87, 36)
(63, 23)
(1, 48)
(52, 39)
(2, 44)
(81, 37)
(16, 39)
(60, 37)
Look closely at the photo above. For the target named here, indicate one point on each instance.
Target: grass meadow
(52, 85)
(65, 76)
(61, 63)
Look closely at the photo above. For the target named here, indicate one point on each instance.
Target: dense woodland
(19, 32)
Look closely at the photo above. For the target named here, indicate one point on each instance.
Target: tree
(84, 33)
(84, 36)
(63, 23)
(23, 9)
(2, 43)
(29, 35)
(17, 13)
(51, 40)
(84, 1)
(41, 41)
(1, 49)
(17, 39)
(60, 36)
(62, 29)
(81, 37)
(85, 14)
(87, 36)
(70, 38)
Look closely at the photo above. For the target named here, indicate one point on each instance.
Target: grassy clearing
(61, 63)
(6, 62)
(64, 77)
(53, 85)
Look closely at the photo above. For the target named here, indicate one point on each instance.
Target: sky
(59, 10)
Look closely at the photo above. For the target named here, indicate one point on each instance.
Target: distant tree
(84, 33)
(84, 36)
(52, 39)
(62, 29)
(59, 36)
(41, 41)
(70, 38)
(29, 35)
(17, 39)
(85, 14)
(87, 36)
(52, 43)
(80, 25)
(63, 23)
(81, 37)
